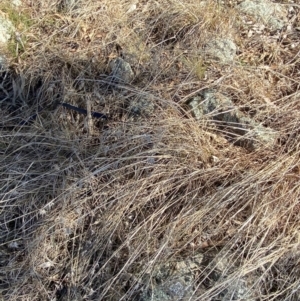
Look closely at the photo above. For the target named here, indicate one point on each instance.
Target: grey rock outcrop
(174, 281)
(222, 276)
(271, 14)
(191, 278)
(237, 127)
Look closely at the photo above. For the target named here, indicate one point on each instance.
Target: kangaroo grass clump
(101, 209)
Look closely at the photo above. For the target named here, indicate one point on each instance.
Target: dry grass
(87, 216)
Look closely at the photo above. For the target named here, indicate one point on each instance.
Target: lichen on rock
(271, 14)
(6, 29)
(121, 70)
(237, 127)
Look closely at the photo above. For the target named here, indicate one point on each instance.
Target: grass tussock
(89, 212)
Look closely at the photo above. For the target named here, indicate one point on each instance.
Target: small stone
(141, 106)
(121, 71)
(68, 5)
(6, 29)
(219, 268)
(3, 63)
(174, 281)
(13, 245)
(16, 2)
(223, 50)
(264, 134)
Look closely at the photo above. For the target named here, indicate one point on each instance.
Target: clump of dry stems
(87, 215)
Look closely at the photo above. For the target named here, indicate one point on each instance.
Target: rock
(141, 106)
(174, 281)
(3, 63)
(219, 269)
(189, 279)
(237, 127)
(264, 134)
(69, 293)
(6, 29)
(236, 290)
(223, 50)
(16, 2)
(121, 71)
(220, 109)
(271, 14)
(68, 5)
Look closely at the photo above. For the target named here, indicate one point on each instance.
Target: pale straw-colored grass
(90, 217)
